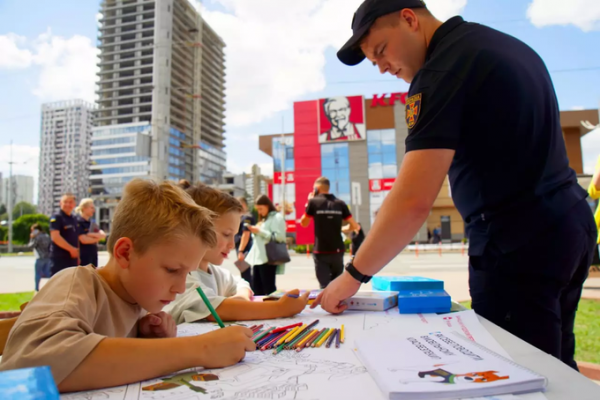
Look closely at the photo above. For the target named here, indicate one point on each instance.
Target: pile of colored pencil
(296, 337)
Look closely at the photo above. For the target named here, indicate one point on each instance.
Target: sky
(278, 52)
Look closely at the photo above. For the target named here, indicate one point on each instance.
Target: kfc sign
(381, 185)
(384, 101)
(289, 177)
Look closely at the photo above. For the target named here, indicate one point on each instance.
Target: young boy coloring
(229, 295)
(90, 326)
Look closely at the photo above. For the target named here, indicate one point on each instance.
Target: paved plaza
(16, 273)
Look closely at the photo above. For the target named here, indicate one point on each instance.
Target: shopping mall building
(359, 145)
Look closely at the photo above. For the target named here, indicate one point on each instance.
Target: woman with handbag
(268, 250)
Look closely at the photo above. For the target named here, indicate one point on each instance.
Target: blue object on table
(28, 384)
(402, 283)
(424, 302)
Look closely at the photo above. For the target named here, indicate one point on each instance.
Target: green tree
(23, 208)
(2, 209)
(22, 226)
(4, 217)
(3, 233)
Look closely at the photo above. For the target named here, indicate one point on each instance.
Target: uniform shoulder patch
(413, 108)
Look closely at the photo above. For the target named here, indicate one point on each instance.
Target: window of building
(335, 167)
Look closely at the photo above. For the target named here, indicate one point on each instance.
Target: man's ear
(123, 251)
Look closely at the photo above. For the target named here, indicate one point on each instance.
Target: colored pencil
(262, 335)
(266, 339)
(324, 338)
(285, 328)
(258, 332)
(337, 338)
(257, 328)
(210, 307)
(297, 340)
(278, 349)
(298, 330)
(342, 336)
(331, 337)
(268, 344)
(252, 328)
(300, 339)
(290, 333)
(313, 337)
(318, 339)
(306, 327)
(306, 338)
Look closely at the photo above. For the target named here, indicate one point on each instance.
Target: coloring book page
(312, 374)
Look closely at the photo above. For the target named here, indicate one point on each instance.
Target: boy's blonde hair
(216, 201)
(151, 212)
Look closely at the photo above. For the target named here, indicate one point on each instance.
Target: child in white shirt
(230, 295)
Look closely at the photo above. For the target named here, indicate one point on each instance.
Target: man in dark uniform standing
(328, 213)
(481, 109)
(64, 251)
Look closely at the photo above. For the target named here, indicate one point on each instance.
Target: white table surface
(564, 383)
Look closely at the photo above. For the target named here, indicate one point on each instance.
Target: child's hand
(224, 347)
(160, 325)
(292, 306)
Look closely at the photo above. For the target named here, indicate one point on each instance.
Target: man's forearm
(62, 243)
(87, 239)
(244, 241)
(232, 309)
(116, 362)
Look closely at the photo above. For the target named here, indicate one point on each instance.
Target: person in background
(228, 294)
(89, 233)
(270, 222)
(40, 242)
(64, 251)
(594, 193)
(329, 213)
(243, 238)
(356, 238)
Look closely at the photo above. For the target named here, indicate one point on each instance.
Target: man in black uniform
(328, 213)
(243, 239)
(64, 251)
(481, 109)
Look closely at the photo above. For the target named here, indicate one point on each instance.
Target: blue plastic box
(28, 384)
(402, 283)
(424, 302)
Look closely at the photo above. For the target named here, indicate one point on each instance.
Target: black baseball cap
(364, 17)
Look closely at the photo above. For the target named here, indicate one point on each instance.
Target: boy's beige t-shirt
(66, 320)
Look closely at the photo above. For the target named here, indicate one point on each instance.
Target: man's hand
(293, 305)
(241, 256)
(311, 195)
(74, 252)
(155, 326)
(253, 229)
(332, 298)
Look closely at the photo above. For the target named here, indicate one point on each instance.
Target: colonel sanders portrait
(338, 111)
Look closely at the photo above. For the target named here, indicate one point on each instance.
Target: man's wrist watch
(356, 274)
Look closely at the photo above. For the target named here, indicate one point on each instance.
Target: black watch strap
(356, 274)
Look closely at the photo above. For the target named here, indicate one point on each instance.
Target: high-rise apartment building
(160, 97)
(22, 189)
(66, 132)
(256, 184)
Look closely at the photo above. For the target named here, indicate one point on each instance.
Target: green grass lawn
(587, 323)
(587, 330)
(12, 301)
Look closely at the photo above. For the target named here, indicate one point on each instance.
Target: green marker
(210, 307)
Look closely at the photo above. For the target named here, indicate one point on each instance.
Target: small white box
(373, 301)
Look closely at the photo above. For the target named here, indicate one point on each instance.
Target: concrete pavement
(17, 273)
